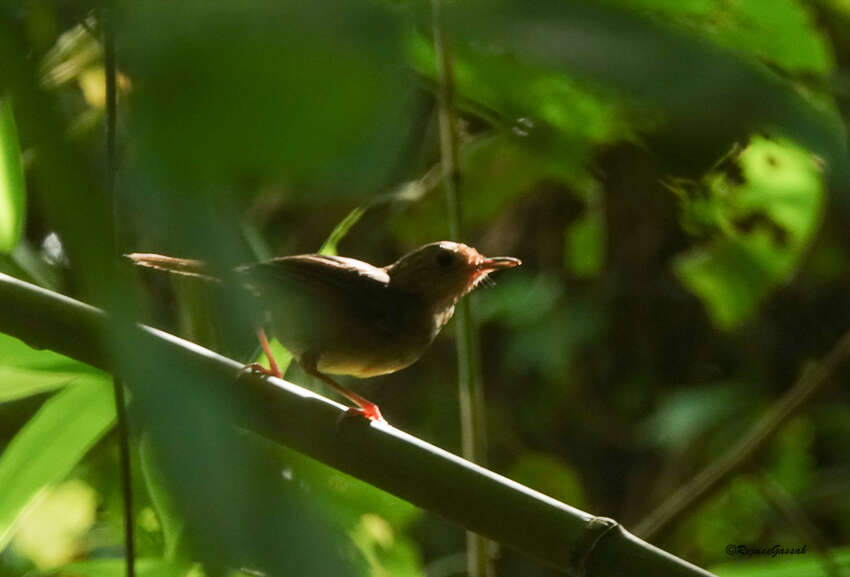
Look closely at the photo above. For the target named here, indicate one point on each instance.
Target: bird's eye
(445, 259)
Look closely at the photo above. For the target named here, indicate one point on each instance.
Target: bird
(342, 316)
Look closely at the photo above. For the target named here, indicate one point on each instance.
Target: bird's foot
(257, 368)
(368, 410)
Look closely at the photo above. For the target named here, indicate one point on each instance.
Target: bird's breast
(355, 338)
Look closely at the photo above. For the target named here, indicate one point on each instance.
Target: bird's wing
(326, 281)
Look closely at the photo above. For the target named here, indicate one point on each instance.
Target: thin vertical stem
(469, 375)
(118, 386)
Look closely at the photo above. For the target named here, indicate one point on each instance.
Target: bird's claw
(258, 369)
(371, 412)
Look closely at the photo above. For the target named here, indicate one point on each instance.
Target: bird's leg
(366, 408)
(273, 369)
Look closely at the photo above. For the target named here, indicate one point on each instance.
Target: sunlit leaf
(706, 96)
(51, 533)
(18, 383)
(18, 354)
(12, 185)
(388, 553)
(50, 444)
(329, 247)
(782, 32)
(763, 225)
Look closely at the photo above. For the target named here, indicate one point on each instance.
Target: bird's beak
(498, 262)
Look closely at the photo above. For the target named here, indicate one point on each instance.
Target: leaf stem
(470, 389)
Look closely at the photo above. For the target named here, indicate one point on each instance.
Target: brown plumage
(339, 315)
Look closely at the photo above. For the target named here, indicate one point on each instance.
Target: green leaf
(688, 413)
(18, 383)
(53, 532)
(145, 567)
(374, 520)
(327, 114)
(169, 519)
(655, 67)
(25, 371)
(12, 184)
(782, 32)
(50, 445)
(329, 247)
(15, 352)
(585, 240)
(762, 228)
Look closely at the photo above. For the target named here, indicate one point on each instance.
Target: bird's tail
(181, 266)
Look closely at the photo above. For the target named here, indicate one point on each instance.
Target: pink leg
(366, 408)
(274, 370)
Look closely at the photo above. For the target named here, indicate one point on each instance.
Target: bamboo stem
(543, 528)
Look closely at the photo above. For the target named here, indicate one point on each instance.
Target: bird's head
(442, 272)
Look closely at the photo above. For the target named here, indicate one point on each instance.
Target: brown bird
(343, 316)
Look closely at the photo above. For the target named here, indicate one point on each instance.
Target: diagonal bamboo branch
(552, 532)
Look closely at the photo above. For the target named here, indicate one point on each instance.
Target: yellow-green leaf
(12, 187)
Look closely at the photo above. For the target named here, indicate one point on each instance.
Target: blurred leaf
(550, 345)
(764, 225)
(314, 93)
(16, 353)
(585, 240)
(808, 565)
(169, 520)
(51, 533)
(708, 97)
(75, 52)
(388, 554)
(520, 299)
(20, 383)
(345, 498)
(553, 117)
(374, 520)
(792, 463)
(12, 183)
(782, 32)
(263, 524)
(497, 170)
(329, 247)
(550, 476)
(145, 567)
(49, 446)
(688, 413)
(738, 514)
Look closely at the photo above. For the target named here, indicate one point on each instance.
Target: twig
(709, 479)
(470, 389)
(109, 185)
